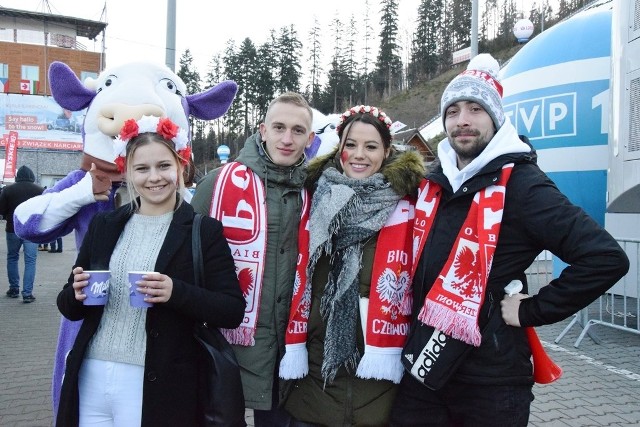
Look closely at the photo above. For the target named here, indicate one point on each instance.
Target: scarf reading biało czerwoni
(453, 302)
(346, 212)
(238, 202)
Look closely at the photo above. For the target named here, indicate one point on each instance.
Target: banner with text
(10, 157)
(41, 122)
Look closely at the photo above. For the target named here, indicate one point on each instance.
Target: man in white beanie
(484, 213)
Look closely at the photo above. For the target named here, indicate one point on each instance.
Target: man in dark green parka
(273, 159)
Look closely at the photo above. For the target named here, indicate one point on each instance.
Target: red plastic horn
(545, 371)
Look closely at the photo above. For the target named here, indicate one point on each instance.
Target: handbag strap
(196, 248)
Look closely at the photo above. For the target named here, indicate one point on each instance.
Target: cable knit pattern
(121, 336)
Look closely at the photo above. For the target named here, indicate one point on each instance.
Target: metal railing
(619, 307)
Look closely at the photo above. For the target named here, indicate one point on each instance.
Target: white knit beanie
(478, 83)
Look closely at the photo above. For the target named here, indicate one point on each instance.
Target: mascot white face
(130, 91)
(326, 136)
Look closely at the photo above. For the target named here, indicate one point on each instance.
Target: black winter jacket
(173, 372)
(537, 216)
(12, 195)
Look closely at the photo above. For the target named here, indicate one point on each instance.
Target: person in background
(12, 195)
(56, 245)
(484, 213)
(258, 198)
(353, 276)
(142, 366)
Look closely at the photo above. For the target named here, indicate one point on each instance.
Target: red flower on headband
(120, 163)
(129, 130)
(167, 128)
(185, 155)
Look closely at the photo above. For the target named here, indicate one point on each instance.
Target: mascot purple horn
(123, 92)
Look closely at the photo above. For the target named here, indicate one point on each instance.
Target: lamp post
(474, 28)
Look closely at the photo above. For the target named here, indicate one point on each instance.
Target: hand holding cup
(91, 286)
(148, 287)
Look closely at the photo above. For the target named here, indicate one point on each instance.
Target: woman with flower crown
(141, 366)
(352, 299)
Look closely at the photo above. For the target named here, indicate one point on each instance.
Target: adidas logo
(409, 357)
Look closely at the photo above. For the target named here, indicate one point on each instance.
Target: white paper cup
(136, 299)
(97, 291)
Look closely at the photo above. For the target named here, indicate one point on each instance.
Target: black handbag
(224, 404)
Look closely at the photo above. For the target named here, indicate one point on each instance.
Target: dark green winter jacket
(283, 186)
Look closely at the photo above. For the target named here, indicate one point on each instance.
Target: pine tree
(214, 76)
(333, 96)
(367, 38)
(289, 50)
(266, 73)
(388, 65)
(313, 91)
(234, 114)
(424, 53)
(191, 79)
(461, 24)
(350, 66)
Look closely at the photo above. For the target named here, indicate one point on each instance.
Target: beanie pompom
(484, 62)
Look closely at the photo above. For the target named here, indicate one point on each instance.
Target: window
(4, 71)
(85, 74)
(30, 72)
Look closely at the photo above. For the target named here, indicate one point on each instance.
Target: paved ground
(600, 385)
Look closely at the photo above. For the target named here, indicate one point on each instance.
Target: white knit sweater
(121, 335)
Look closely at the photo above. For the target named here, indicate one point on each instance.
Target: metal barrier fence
(618, 308)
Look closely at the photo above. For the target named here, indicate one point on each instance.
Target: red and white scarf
(238, 202)
(389, 310)
(453, 302)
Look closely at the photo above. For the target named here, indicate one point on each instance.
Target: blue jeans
(13, 255)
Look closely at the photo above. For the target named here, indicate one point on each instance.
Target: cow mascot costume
(120, 93)
(326, 138)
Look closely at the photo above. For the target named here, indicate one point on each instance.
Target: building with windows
(39, 133)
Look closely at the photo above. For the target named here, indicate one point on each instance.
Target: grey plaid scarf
(345, 213)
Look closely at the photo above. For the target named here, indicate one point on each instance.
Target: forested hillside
(421, 103)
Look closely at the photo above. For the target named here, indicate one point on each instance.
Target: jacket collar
(403, 170)
(505, 141)
(254, 157)
(179, 230)
(484, 177)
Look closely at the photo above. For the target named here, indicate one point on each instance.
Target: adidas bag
(432, 357)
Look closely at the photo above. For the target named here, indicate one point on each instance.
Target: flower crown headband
(374, 111)
(150, 124)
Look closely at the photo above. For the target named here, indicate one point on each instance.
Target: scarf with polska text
(390, 300)
(453, 302)
(238, 201)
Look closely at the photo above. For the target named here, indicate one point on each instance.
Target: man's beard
(469, 150)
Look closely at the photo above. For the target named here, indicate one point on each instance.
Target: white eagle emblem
(304, 308)
(396, 292)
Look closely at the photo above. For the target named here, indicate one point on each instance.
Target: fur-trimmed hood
(402, 169)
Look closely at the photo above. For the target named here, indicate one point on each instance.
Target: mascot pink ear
(213, 102)
(67, 89)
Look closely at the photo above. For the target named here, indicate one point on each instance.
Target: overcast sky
(136, 28)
